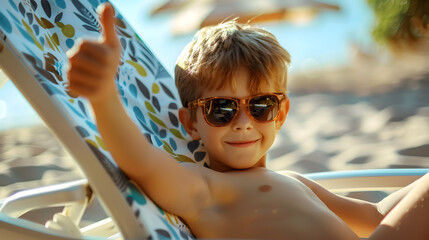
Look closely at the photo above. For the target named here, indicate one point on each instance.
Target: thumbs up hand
(93, 64)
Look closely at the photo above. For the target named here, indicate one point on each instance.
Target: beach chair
(35, 35)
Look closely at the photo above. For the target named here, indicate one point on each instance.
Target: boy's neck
(216, 166)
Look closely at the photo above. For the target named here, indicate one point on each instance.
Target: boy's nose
(243, 120)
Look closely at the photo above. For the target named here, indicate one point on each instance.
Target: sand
(32, 157)
(371, 114)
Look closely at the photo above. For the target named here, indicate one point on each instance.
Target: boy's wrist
(106, 99)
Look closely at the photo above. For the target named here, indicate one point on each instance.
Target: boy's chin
(245, 165)
(235, 162)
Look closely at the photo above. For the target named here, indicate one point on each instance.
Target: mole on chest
(264, 188)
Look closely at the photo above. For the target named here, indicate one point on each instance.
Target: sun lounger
(35, 36)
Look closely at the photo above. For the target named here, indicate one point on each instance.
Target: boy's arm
(361, 216)
(175, 188)
(178, 189)
(389, 202)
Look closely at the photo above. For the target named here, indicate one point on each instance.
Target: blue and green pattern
(42, 31)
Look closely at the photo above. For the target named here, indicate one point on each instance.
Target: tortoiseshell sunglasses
(221, 111)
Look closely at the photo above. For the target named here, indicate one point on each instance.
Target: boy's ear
(188, 123)
(284, 110)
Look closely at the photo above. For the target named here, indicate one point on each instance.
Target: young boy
(232, 83)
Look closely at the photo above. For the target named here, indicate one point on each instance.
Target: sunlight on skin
(3, 77)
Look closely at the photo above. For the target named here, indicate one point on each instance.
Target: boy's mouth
(242, 144)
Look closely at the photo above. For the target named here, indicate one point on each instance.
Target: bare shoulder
(197, 169)
(290, 173)
(301, 178)
(211, 179)
(293, 175)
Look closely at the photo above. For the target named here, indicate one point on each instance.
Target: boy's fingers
(88, 68)
(107, 17)
(83, 77)
(90, 50)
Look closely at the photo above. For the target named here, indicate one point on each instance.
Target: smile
(242, 144)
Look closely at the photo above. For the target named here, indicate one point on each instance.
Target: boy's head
(210, 61)
(226, 62)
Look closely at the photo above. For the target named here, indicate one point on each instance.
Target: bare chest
(263, 204)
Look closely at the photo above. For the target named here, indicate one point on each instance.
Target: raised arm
(93, 66)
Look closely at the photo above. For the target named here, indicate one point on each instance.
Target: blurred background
(358, 84)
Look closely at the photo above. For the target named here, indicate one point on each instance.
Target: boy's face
(244, 142)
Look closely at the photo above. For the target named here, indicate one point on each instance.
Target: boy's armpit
(203, 191)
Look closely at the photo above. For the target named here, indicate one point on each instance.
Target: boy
(232, 82)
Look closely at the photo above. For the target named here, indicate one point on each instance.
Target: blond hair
(217, 52)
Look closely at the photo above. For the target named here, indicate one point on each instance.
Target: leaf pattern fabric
(41, 31)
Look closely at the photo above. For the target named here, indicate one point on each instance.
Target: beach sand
(32, 157)
(370, 114)
(360, 117)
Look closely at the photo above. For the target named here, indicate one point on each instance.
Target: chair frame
(100, 181)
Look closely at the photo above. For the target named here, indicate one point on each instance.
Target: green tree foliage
(390, 16)
(400, 24)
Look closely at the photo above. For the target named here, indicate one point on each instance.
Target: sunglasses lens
(220, 111)
(264, 108)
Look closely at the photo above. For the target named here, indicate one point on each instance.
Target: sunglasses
(221, 111)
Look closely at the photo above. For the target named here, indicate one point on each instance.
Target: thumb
(107, 18)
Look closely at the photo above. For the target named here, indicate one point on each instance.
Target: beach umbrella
(191, 15)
